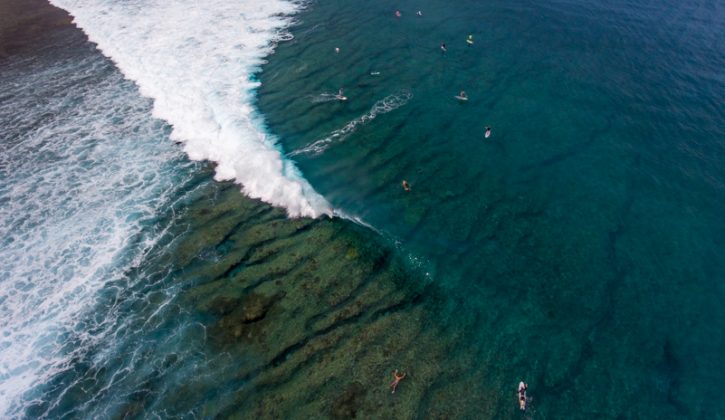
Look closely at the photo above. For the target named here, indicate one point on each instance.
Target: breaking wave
(196, 60)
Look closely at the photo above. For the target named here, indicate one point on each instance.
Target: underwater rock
(224, 305)
(348, 404)
(255, 307)
(245, 321)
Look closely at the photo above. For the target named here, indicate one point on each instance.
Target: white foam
(196, 60)
(83, 178)
(324, 97)
(383, 106)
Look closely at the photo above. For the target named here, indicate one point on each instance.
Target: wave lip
(196, 61)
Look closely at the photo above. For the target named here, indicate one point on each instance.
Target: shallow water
(579, 248)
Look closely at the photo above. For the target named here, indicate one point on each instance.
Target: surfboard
(522, 401)
(461, 98)
(342, 98)
(469, 41)
(488, 134)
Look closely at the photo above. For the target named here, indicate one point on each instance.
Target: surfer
(398, 14)
(470, 40)
(341, 95)
(419, 13)
(443, 47)
(406, 187)
(463, 95)
(396, 378)
(488, 132)
(522, 395)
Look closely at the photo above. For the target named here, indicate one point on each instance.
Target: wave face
(197, 61)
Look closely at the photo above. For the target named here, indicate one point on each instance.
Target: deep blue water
(579, 248)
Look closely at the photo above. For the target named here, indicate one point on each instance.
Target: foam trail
(423, 266)
(383, 106)
(324, 97)
(196, 60)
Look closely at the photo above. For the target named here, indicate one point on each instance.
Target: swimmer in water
(398, 14)
(406, 187)
(337, 50)
(396, 380)
(443, 47)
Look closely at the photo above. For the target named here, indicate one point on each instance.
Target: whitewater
(84, 179)
(86, 170)
(197, 61)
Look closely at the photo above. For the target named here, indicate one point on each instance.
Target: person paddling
(406, 186)
(396, 378)
(488, 132)
(522, 395)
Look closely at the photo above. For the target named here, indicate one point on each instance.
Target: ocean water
(579, 248)
(83, 179)
(583, 240)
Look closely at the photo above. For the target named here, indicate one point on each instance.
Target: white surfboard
(461, 98)
(522, 390)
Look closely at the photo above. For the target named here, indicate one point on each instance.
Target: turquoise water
(579, 248)
(582, 242)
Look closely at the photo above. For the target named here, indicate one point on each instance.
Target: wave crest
(196, 61)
